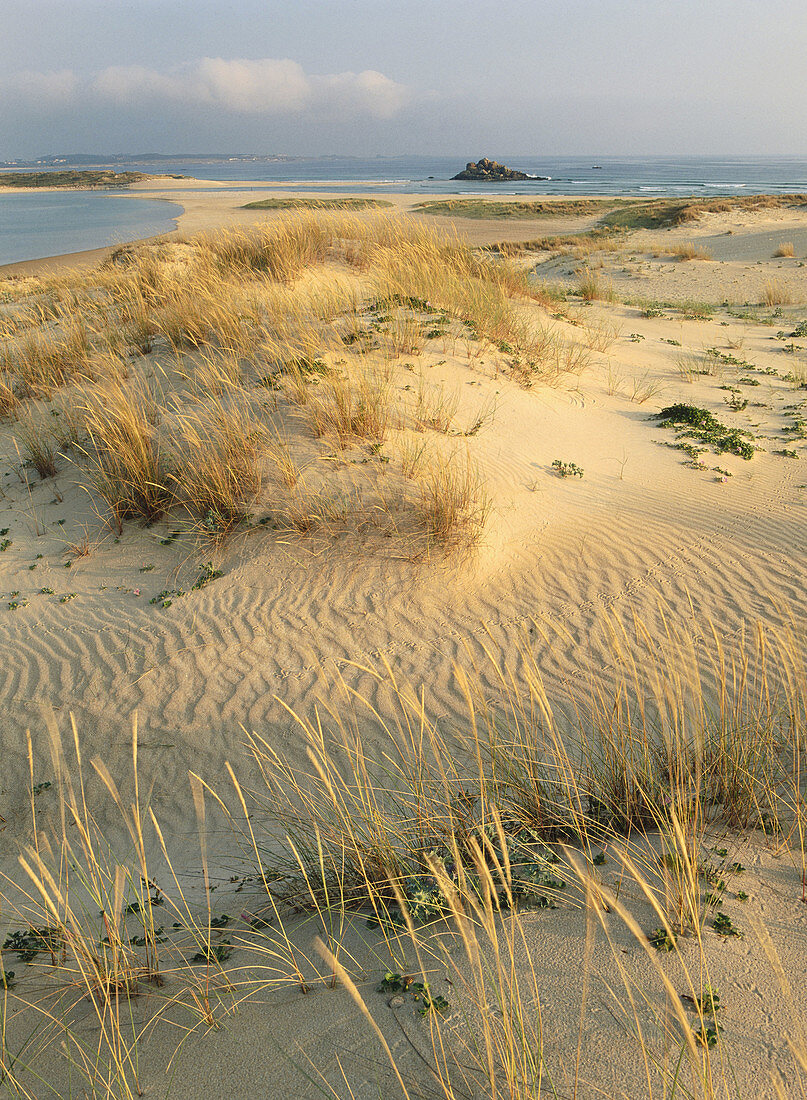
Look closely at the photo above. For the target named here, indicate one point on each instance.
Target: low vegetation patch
(76, 180)
(566, 469)
(347, 203)
(701, 424)
(603, 239)
(518, 209)
(667, 213)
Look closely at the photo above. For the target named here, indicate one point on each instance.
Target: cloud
(123, 84)
(40, 92)
(368, 91)
(268, 86)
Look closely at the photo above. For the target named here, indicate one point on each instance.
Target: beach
(589, 535)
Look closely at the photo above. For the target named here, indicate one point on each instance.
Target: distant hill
(67, 160)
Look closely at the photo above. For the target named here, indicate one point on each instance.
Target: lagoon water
(35, 225)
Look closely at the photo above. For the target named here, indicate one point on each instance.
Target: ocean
(568, 175)
(36, 225)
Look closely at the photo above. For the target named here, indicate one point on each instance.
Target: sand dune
(641, 533)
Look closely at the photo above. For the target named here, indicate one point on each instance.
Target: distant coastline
(117, 160)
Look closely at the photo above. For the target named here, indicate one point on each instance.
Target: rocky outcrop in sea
(490, 171)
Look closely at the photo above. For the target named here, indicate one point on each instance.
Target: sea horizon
(660, 174)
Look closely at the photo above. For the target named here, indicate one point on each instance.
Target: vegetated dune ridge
(334, 564)
(69, 180)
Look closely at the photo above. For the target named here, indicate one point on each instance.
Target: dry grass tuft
(434, 408)
(351, 407)
(691, 251)
(785, 249)
(591, 287)
(8, 398)
(281, 251)
(218, 463)
(797, 375)
(775, 293)
(644, 387)
(129, 465)
(36, 443)
(215, 373)
(44, 363)
(601, 335)
(453, 504)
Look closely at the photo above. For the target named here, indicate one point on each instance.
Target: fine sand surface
(740, 256)
(642, 533)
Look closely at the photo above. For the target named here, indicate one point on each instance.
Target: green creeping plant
(707, 1034)
(662, 940)
(722, 924)
(567, 469)
(218, 952)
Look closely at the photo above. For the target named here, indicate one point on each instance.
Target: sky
(465, 78)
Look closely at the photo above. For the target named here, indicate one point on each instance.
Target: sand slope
(642, 532)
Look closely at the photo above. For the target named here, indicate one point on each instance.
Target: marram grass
(448, 842)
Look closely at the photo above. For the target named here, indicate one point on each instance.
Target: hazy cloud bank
(45, 91)
(269, 86)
